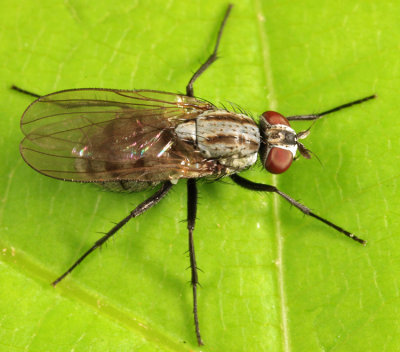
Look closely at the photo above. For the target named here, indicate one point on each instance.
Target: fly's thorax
(232, 139)
(279, 142)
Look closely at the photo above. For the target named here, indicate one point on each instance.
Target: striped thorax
(233, 139)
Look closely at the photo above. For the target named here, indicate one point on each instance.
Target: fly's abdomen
(231, 139)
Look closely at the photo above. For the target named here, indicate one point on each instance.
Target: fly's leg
(25, 92)
(203, 67)
(140, 209)
(268, 188)
(191, 219)
(340, 107)
(212, 58)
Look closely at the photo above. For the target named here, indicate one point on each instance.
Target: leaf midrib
(273, 105)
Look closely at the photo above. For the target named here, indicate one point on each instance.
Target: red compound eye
(278, 160)
(275, 118)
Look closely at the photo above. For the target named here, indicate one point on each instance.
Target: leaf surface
(271, 279)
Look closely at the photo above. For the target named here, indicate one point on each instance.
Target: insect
(132, 140)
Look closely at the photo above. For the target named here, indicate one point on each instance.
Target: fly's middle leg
(191, 219)
(212, 58)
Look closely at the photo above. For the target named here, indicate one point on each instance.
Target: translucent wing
(101, 135)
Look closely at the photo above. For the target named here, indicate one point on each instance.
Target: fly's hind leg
(23, 91)
(140, 209)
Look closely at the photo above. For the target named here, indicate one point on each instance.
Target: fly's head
(279, 142)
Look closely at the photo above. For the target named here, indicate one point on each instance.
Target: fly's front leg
(140, 209)
(330, 111)
(268, 188)
(191, 219)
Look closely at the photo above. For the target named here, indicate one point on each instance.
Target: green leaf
(272, 279)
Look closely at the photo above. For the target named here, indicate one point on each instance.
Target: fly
(132, 140)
